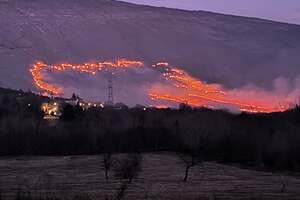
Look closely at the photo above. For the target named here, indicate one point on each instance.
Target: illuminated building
(52, 110)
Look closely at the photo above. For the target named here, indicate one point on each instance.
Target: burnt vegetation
(267, 141)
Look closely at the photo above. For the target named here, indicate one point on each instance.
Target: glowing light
(90, 68)
(198, 93)
(185, 88)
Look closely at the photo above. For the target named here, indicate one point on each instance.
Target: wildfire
(184, 88)
(38, 79)
(90, 68)
(198, 93)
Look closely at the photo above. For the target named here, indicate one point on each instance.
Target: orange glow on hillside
(198, 93)
(90, 68)
(178, 86)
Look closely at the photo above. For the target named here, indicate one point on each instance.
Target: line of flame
(90, 68)
(192, 91)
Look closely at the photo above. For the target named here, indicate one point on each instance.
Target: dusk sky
(277, 10)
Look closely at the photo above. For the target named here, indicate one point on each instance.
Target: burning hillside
(90, 68)
(225, 61)
(177, 86)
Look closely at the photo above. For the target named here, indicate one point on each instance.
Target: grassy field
(160, 177)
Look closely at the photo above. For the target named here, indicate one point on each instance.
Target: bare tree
(127, 170)
(129, 167)
(192, 151)
(282, 184)
(107, 162)
(190, 160)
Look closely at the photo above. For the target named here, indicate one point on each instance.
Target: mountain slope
(229, 50)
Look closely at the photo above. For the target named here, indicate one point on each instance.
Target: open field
(160, 178)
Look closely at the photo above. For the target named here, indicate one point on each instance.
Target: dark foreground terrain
(109, 153)
(268, 141)
(160, 177)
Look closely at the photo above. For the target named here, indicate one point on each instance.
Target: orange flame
(197, 93)
(90, 68)
(188, 89)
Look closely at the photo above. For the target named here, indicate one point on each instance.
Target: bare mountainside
(233, 51)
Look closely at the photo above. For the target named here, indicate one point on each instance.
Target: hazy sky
(277, 10)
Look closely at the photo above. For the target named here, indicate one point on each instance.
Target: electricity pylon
(110, 96)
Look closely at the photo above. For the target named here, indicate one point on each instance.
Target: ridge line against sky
(287, 11)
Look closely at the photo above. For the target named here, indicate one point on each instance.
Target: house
(52, 110)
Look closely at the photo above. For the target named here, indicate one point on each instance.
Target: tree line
(261, 140)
